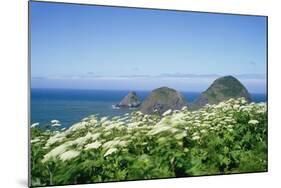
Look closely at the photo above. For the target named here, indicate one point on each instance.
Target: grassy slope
(219, 139)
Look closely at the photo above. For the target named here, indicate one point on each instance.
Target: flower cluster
(217, 138)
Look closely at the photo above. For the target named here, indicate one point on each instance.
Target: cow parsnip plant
(230, 137)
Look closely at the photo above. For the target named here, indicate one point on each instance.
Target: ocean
(71, 105)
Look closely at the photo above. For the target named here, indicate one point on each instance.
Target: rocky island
(162, 99)
(222, 89)
(131, 100)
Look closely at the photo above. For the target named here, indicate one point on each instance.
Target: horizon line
(146, 90)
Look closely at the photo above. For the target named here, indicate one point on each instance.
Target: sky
(97, 47)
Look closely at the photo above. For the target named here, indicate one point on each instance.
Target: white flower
(254, 122)
(35, 140)
(180, 135)
(81, 140)
(243, 101)
(203, 131)
(185, 150)
(236, 106)
(162, 140)
(69, 155)
(93, 145)
(230, 126)
(174, 130)
(105, 122)
(177, 118)
(103, 119)
(110, 151)
(146, 116)
(246, 109)
(195, 137)
(133, 125)
(77, 126)
(123, 143)
(123, 119)
(34, 125)
(93, 121)
(55, 121)
(86, 119)
(167, 112)
(197, 120)
(113, 126)
(196, 124)
(111, 143)
(139, 113)
(107, 133)
(176, 111)
(184, 108)
(55, 152)
(115, 143)
(158, 129)
(56, 138)
(95, 136)
(205, 125)
(56, 125)
(260, 111)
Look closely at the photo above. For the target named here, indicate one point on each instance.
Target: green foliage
(230, 137)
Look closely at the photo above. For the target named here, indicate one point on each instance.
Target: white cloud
(166, 76)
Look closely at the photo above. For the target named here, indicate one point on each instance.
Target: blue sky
(95, 47)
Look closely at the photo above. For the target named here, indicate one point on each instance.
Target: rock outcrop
(161, 100)
(131, 100)
(220, 90)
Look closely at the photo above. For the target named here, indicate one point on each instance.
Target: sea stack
(162, 99)
(131, 100)
(220, 90)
